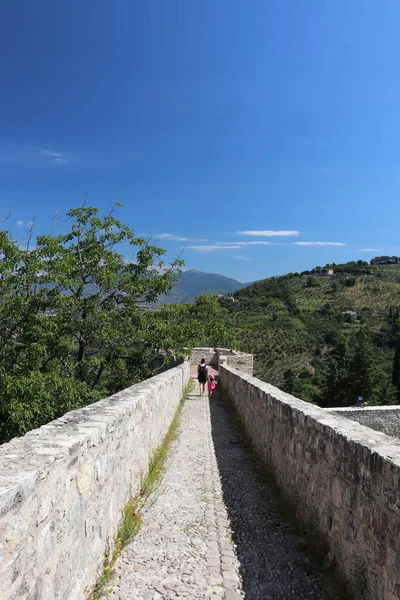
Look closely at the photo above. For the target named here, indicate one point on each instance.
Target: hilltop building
(226, 297)
(350, 315)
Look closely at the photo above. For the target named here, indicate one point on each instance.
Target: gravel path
(212, 531)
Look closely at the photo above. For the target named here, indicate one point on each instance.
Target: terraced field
(295, 321)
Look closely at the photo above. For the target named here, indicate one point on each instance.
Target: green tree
(396, 369)
(171, 331)
(337, 380)
(73, 318)
(387, 393)
(311, 281)
(97, 297)
(290, 382)
(307, 391)
(209, 319)
(363, 371)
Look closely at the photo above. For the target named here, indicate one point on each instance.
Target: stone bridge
(213, 529)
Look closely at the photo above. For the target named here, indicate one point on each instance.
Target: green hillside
(293, 325)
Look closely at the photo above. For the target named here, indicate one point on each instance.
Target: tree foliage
(385, 260)
(396, 369)
(337, 380)
(75, 323)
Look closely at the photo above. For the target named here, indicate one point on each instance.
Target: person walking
(211, 386)
(202, 375)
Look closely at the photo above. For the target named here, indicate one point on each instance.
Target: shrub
(32, 400)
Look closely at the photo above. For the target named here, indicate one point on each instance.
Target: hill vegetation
(303, 341)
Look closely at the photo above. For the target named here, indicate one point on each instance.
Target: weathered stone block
(345, 474)
(63, 487)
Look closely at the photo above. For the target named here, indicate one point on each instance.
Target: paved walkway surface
(212, 530)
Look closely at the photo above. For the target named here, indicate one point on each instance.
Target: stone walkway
(212, 531)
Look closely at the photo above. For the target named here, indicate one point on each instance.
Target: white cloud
(318, 243)
(227, 246)
(50, 153)
(177, 238)
(242, 258)
(58, 157)
(214, 248)
(370, 250)
(247, 243)
(240, 245)
(24, 223)
(270, 233)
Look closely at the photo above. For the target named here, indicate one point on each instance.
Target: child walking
(212, 384)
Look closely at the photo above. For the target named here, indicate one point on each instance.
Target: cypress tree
(363, 373)
(337, 389)
(396, 368)
(290, 381)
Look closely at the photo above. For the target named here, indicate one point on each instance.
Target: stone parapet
(381, 418)
(209, 354)
(343, 475)
(235, 359)
(63, 488)
(241, 361)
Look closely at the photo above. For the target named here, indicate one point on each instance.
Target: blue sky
(209, 120)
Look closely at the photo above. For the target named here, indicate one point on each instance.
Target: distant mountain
(194, 283)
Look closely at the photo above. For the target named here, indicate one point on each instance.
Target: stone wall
(238, 360)
(346, 476)
(213, 356)
(210, 355)
(63, 488)
(381, 418)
